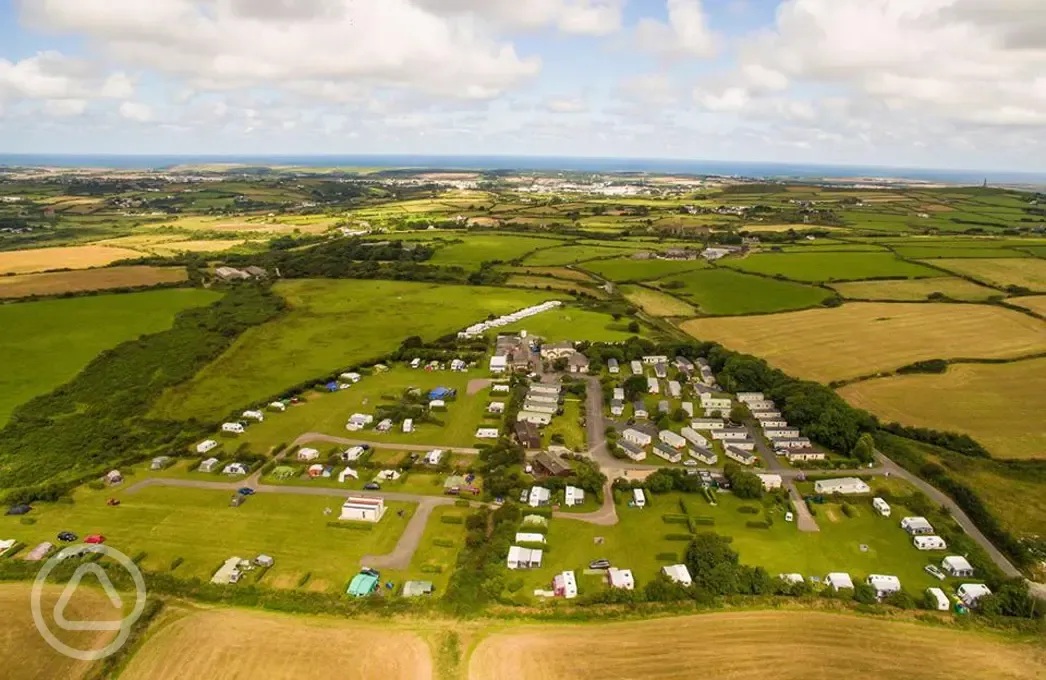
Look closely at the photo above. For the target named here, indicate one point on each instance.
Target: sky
(918, 83)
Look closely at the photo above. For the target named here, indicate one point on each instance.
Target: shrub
(431, 569)
(674, 519)
(704, 521)
(461, 503)
(667, 557)
(352, 526)
(757, 525)
(683, 507)
(96, 485)
(175, 563)
(28, 521)
(514, 585)
(452, 519)
(442, 543)
(748, 510)
(139, 556)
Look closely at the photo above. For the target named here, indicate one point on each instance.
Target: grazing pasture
(56, 283)
(863, 338)
(55, 339)
(656, 303)
(745, 645)
(931, 252)
(842, 266)
(489, 247)
(625, 269)
(722, 291)
(554, 283)
(1028, 273)
(71, 257)
(331, 325)
(554, 272)
(913, 290)
(572, 323)
(576, 253)
(999, 405)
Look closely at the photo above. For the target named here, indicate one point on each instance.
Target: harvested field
(208, 246)
(308, 225)
(1026, 272)
(828, 266)
(545, 282)
(626, 269)
(655, 303)
(742, 645)
(87, 279)
(234, 644)
(1036, 303)
(757, 227)
(999, 405)
(863, 338)
(915, 289)
(72, 257)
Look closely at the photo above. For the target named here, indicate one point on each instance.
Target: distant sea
(543, 163)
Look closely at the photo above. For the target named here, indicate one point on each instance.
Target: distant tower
(985, 182)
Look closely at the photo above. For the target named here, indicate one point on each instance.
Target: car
(690, 463)
(523, 496)
(372, 486)
(932, 570)
(599, 564)
(245, 491)
(66, 536)
(95, 538)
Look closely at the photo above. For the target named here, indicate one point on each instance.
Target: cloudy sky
(935, 83)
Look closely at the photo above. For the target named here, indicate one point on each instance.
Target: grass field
(1036, 303)
(72, 257)
(548, 282)
(929, 252)
(240, 644)
(571, 323)
(1029, 272)
(573, 254)
(333, 324)
(87, 279)
(863, 338)
(55, 339)
(568, 425)
(285, 225)
(725, 292)
(915, 289)
(625, 269)
(488, 247)
(842, 266)
(999, 405)
(554, 272)
(656, 303)
(755, 645)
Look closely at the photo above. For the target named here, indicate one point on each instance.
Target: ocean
(541, 163)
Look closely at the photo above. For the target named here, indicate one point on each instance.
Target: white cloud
(584, 17)
(136, 111)
(65, 108)
(686, 34)
(52, 75)
(565, 105)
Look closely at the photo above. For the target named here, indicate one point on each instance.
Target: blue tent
(332, 386)
(440, 393)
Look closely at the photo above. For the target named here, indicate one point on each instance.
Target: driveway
(605, 516)
(804, 521)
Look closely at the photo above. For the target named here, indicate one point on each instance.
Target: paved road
(605, 516)
(403, 553)
(804, 521)
(765, 450)
(319, 437)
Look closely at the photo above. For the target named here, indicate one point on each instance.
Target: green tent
(363, 585)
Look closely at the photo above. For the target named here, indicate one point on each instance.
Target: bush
(452, 519)
(674, 519)
(175, 563)
(748, 510)
(667, 557)
(461, 503)
(96, 485)
(28, 521)
(757, 525)
(431, 569)
(139, 556)
(704, 521)
(351, 526)
(849, 510)
(514, 585)
(442, 543)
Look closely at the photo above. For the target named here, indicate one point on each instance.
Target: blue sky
(937, 83)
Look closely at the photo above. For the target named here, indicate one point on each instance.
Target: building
(969, 593)
(740, 455)
(663, 407)
(662, 450)
(957, 566)
(631, 450)
(655, 359)
(770, 482)
(672, 439)
(487, 433)
(780, 432)
(688, 408)
(233, 428)
(434, 457)
(617, 408)
(684, 365)
(557, 350)
(538, 496)
(803, 455)
(639, 498)
(565, 585)
(228, 573)
(709, 402)
(791, 443)
(768, 415)
(353, 454)
(527, 435)
(707, 424)
(842, 485)
(231, 274)
(408, 425)
(917, 526)
(929, 543)
(761, 405)
(364, 583)
(534, 418)
(614, 369)
(639, 410)
(498, 364)
(621, 578)
(525, 537)
(678, 573)
(675, 390)
(884, 585)
(523, 558)
(660, 371)
(881, 506)
(652, 386)
(749, 397)
(363, 508)
(691, 435)
(578, 363)
(839, 580)
(208, 465)
(573, 496)
(636, 367)
(550, 465)
(730, 433)
(418, 588)
(636, 437)
(545, 407)
(940, 598)
(742, 444)
(706, 456)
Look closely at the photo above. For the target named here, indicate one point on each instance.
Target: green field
(929, 252)
(571, 323)
(568, 425)
(489, 247)
(845, 266)
(726, 292)
(624, 269)
(573, 254)
(48, 342)
(332, 325)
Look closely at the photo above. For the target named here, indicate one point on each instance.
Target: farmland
(744, 645)
(1027, 273)
(726, 292)
(818, 267)
(489, 247)
(573, 254)
(57, 338)
(313, 339)
(913, 290)
(864, 338)
(56, 283)
(624, 269)
(571, 323)
(656, 303)
(999, 405)
(1036, 303)
(48, 259)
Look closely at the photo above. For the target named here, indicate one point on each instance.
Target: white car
(690, 463)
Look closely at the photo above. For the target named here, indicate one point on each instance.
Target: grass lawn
(573, 323)
(487, 247)
(568, 425)
(433, 562)
(999, 405)
(1029, 272)
(915, 289)
(843, 266)
(50, 341)
(863, 338)
(199, 526)
(656, 303)
(333, 324)
(726, 292)
(626, 269)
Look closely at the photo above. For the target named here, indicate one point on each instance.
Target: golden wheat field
(864, 338)
(656, 303)
(754, 646)
(71, 257)
(999, 405)
(1036, 303)
(915, 289)
(105, 278)
(1028, 272)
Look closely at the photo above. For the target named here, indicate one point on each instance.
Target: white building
(205, 446)
(672, 439)
(770, 482)
(940, 598)
(487, 433)
(652, 386)
(499, 389)
(639, 498)
(538, 496)
(740, 455)
(695, 438)
(637, 368)
(969, 593)
(842, 485)
(655, 359)
(802, 455)
(565, 585)
(614, 369)
(675, 390)
(524, 537)
(749, 397)
(573, 496)
(957, 566)
(780, 432)
(434, 457)
(881, 506)
(730, 433)
(839, 580)
(363, 508)
(534, 418)
(233, 428)
(498, 364)
(408, 425)
(308, 454)
(708, 402)
(706, 456)
(791, 442)
(678, 573)
(621, 578)
(929, 543)
(917, 526)
(523, 558)
(636, 437)
(707, 424)
(884, 584)
(254, 415)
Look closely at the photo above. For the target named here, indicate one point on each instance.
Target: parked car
(372, 486)
(599, 564)
(245, 491)
(690, 463)
(95, 538)
(523, 496)
(934, 571)
(66, 536)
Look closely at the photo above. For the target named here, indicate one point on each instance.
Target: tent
(441, 393)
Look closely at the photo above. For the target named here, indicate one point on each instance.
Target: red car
(95, 538)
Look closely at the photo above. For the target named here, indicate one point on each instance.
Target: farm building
(308, 454)
(678, 573)
(884, 584)
(929, 543)
(363, 509)
(233, 428)
(707, 424)
(418, 588)
(639, 498)
(637, 368)
(565, 585)
(487, 433)
(636, 437)
(662, 450)
(770, 482)
(229, 572)
(205, 446)
(552, 465)
(957, 566)
(621, 578)
(633, 451)
(839, 580)
(614, 369)
(538, 496)
(235, 469)
(523, 558)
(672, 439)
(254, 415)
(347, 473)
(969, 593)
(524, 537)
(364, 583)
(573, 496)
(940, 598)
(841, 485)
(692, 436)
(740, 455)
(881, 506)
(706, 456)
(208, 465)
(916, 526)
